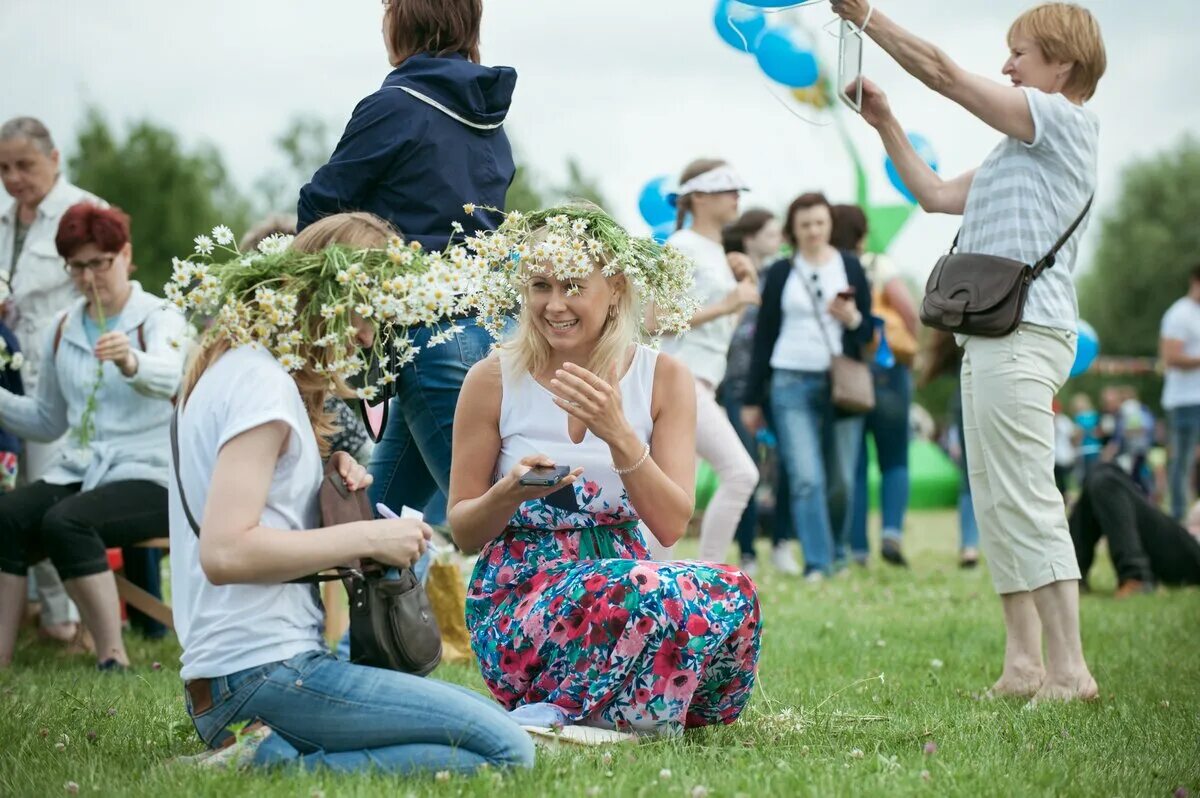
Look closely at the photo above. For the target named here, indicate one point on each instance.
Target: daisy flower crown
(299, 305)
(568, 242)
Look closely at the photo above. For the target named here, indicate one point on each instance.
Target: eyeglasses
(97, 265)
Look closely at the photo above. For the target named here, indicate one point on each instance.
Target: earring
(612, 311)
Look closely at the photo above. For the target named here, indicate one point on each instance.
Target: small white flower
(664, 774)
(291, 362)
(469, 209)
(857, 753)
(936, 664)
(456, 227)
(367, 394)
(204, 245)
(223, 235)
(18, 360)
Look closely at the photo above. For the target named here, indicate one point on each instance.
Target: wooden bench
(337, 617)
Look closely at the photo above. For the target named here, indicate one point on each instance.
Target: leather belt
(201, 695)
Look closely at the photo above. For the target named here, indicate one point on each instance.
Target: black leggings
(1145, 543)
(75, 529)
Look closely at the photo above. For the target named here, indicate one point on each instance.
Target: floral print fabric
(621, 642)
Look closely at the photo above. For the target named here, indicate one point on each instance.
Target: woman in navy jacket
(812, 303)
(428, 142)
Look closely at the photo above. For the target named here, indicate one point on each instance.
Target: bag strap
(315, 579)
(820, 322)
(1048, 261)
(179, 479)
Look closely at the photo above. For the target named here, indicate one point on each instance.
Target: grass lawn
(859, 678)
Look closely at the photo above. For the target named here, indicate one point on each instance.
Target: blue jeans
(412, 460)
(1184, 425)
(327, 713)
(888, 424)
(819, 457)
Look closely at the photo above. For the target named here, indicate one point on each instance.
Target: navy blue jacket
(414, 152)
(770, 321)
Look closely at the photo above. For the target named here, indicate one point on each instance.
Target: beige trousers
(1008, 388)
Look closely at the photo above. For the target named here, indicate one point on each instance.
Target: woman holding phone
(1037, 181)
(567, 438)
(816, 306)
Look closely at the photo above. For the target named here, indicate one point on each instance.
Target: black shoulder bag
(973, 294)
(392, 625)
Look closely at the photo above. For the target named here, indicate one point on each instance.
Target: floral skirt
(623, 642)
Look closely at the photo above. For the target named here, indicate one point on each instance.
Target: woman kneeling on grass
(571, 622)
(290, 327)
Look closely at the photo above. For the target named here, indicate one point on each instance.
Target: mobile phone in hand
(846, 293)
(544, 476)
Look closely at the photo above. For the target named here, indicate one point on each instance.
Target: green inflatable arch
(932, 475)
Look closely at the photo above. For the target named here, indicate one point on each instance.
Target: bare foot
(1080, 687)
(59, 633)
(1020, 683)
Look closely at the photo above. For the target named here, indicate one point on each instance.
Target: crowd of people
(774, 328)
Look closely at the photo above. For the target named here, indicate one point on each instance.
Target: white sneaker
(238, 755)
(748, 566)
(784, 561)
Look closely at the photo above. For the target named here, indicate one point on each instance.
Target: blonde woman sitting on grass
(292, 325)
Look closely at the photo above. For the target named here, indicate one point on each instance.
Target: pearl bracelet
(641, 461)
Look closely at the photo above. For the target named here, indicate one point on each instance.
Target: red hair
(85, 223)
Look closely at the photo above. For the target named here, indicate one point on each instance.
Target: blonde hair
(1066, 33)
(530, 351)
(358, 230)
(683, 205)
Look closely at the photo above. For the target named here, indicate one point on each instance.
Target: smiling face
(570, 314)
(27, 172)
(101, 275)
(1027, 65)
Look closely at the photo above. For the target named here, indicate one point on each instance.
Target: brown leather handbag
(392, 625)
(973, 294)
(851, 385)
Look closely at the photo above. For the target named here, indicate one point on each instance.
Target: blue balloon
(784, 56)
(663, 231)
(653, 204)
(738, 25)
(924, 150)
(1086, 350)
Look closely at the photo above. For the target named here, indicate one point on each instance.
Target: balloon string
(766, 83)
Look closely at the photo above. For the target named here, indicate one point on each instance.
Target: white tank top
(531, 423)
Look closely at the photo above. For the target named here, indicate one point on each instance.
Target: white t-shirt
(1181, 388)
(801, 345)
(228, 628)
(1025, 196)
(704, 349)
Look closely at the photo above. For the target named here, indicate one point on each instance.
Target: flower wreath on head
(568, 242)
(283, 299)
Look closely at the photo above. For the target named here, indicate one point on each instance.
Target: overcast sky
(633, 88)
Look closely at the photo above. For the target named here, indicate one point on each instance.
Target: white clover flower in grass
(223, 235)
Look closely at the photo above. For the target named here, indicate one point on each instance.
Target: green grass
(847, 667)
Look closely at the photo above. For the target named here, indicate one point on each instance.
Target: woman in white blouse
(725, 286)
(39, 289)
(111, 366)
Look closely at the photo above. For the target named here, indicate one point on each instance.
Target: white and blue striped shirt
(1025, 195)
